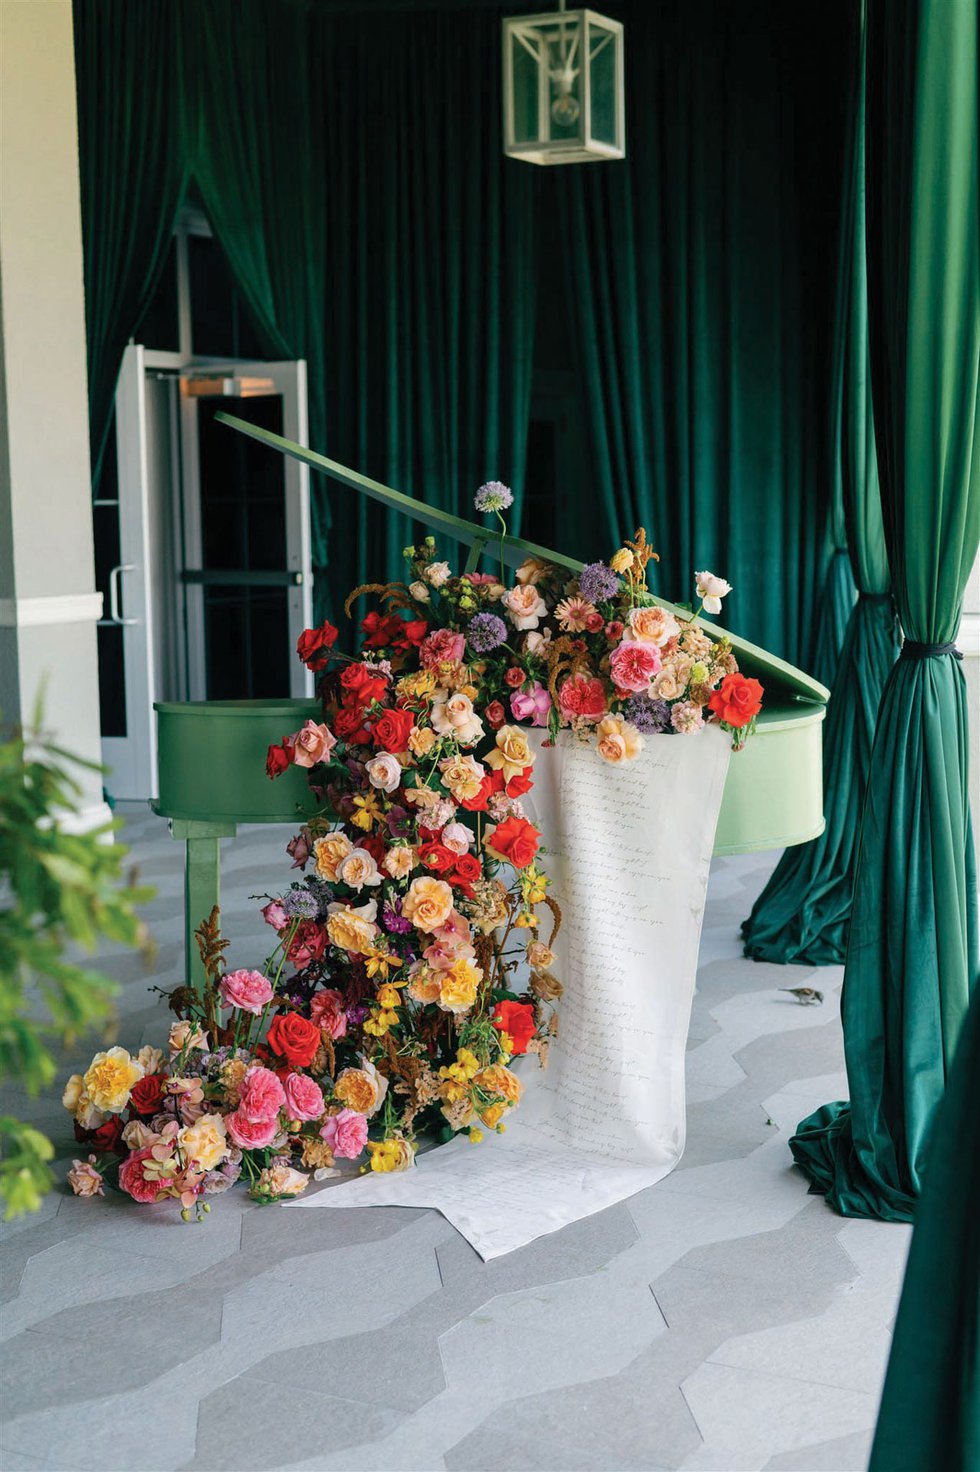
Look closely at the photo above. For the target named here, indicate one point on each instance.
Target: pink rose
(274, 915)
(345, 1133)
(304, 1099)
(249, 991)
(313, 744)
(328, 1014)
(249, 1135)
(442, 645)
(298, 849)
(531, 705)
(456, 837)
(133, 1181)
(582, 698)
(262, 1096)
(633, 666)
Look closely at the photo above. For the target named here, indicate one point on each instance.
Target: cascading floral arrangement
(410, 969)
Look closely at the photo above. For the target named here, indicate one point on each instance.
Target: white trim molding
(55, 608)
(968, 638)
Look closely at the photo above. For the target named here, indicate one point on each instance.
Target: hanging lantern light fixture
(563, 87)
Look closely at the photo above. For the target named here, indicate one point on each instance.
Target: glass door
(246, 579)
(121, 521)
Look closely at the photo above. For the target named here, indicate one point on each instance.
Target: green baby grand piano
(212, 753)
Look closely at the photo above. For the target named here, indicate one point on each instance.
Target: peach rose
(525, 605)
(280, 1180)
(424, 985)
(353, 929)
(359, 869)
(652, 625)
(361, 1089)
(499, 1080)
(428, 903)
(313, 744)
(512, 753)
(617, 740)
(329, 852)
(463, 775)
(421, 740)
(84, 1179)
(532, 570)
(400, 861)
(453, 715)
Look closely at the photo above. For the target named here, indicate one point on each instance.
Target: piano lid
(776, 674)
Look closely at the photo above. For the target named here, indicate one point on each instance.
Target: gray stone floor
(723, 1319)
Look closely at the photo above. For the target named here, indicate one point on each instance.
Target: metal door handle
(115, 618)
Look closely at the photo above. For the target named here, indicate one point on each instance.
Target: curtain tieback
(913, 650)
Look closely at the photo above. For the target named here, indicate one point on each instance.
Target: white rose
(384, 771)
(535, 643)
(437, 573)
(711, 590)
(455, 716)
(419, 592)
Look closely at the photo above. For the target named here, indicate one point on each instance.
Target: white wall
(48, 604)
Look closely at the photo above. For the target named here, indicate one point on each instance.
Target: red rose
(376, 629)
(375, 845)
(308, 944)
(515, 677)
(313, 646)
(391, 730)
(495, 714)
(294, 1038)
(519, 784)
(147, 1094)
(516, 840)
(349, 725)
(277, 760)
(516, 1019)
(108, 1136)
(737, 700)
(362, 684)
(415, 631)
(467, 871)
(492, 782)
(437, 856)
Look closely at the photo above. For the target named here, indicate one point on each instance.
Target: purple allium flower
(597, 582)
(648, 716)
(300, 904)
(485, 632)
(493, 496)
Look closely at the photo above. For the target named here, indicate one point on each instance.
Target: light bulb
(565, 110)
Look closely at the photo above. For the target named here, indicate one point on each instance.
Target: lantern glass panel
(603, 45)
(526, 93)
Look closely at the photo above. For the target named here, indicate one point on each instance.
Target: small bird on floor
(805, 995)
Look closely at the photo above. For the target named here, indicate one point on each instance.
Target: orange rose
(428, 903)
(737, 700)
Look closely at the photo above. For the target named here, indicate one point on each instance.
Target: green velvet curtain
(132, 175)
(930, 1410)
(256, 148)
(701, 286)
(802, 915)
(431, 274)
(913, 948)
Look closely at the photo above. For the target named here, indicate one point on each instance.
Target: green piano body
(211, 753)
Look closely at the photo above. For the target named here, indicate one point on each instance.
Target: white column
(48, 602)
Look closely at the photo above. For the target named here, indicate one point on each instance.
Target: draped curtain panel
(132, 170)
(803, 913)
(913, 957)
(701, 282)
(930, 1408)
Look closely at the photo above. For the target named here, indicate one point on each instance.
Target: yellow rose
(428, 903)
(204, 1141)
(329, 852)
(622, 560)
(110, 1078)
(617, 741)
(512, 752)
(457, 991)
(499, 1080)
(353, 930)
(74, 1089)
(462, 775)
